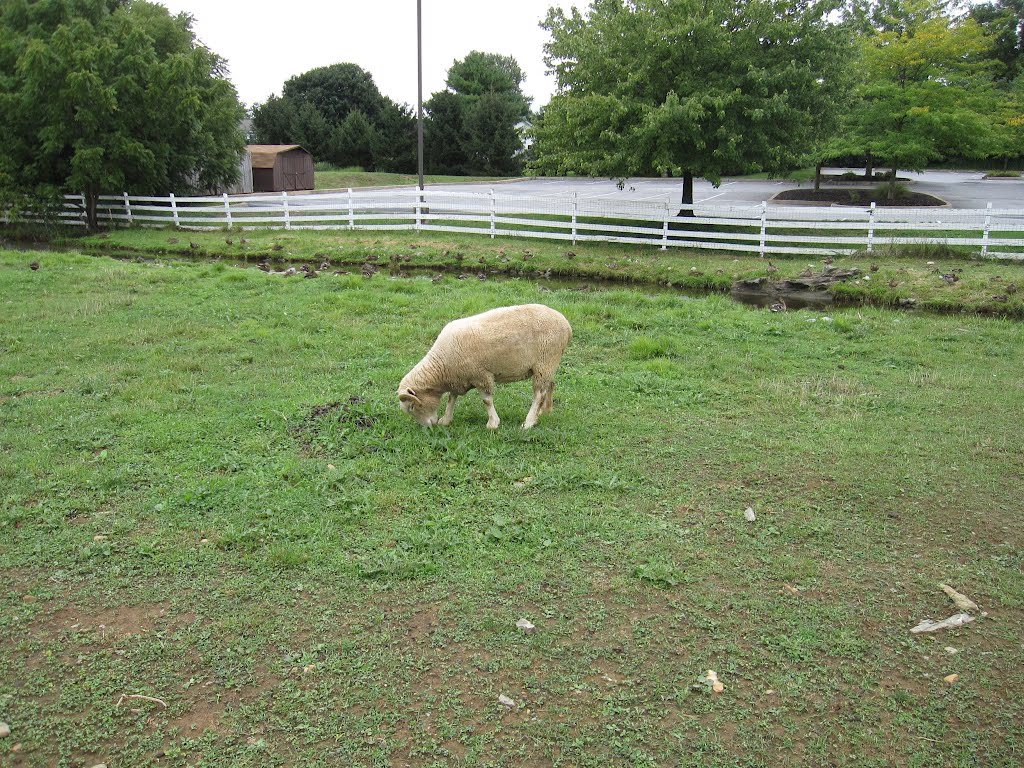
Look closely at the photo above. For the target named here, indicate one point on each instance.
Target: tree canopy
(926, 90)
(339, 115)
(473, 125)
(110, 96)
(689, 87)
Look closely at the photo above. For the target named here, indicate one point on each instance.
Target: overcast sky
(265, 43)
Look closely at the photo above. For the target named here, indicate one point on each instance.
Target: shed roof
(263, 155)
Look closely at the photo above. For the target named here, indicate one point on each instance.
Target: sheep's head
(421, 405)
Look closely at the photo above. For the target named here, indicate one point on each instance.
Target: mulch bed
(853, 196)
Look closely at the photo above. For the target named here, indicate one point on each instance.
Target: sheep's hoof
(494, 425)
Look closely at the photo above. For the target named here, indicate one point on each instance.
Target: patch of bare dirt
(106, 623)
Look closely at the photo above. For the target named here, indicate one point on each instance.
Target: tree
(691, 88)
(109, 95)
(444, 137)
(315, 110)
(310, 129)
(492, 144)
(394, 140)
(927, 93)
(354, 140)
(1003, 22)
(273, 121)
(1008, 123)
(490, 74)
(473, 124)
(335, 91)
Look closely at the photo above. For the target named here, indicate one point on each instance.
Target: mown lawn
(344, 178)
(209, 497)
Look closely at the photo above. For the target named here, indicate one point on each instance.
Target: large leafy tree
(1003, 22)
(927, 92)
(474, 123)
(111, 95)
(690, 88)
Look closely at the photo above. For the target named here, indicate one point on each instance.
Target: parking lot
(961, 189)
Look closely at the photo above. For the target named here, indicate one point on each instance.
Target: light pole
(419, 91)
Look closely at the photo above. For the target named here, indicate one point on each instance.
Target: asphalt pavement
(961, 189)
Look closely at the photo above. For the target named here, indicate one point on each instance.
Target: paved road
(962, 189)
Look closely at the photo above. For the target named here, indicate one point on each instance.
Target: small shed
(280, 167)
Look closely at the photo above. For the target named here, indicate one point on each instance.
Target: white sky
(265, 43)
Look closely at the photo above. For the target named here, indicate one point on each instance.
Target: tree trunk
(91, 204)
(817, 177)
(892, 182)
(869, 167)
(687, 194)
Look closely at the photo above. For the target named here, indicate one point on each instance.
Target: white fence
(764, 229)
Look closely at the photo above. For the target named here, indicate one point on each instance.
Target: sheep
(498, 346)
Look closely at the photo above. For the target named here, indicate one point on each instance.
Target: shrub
(881, 192)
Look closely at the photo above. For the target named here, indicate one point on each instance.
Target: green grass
(209, 496)
(356, 177)
(902, 274)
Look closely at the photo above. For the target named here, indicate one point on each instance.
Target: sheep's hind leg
(492, 415)
(549, 404)
(449, 412)
(540, 394)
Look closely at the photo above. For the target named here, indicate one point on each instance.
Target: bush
(881, 192)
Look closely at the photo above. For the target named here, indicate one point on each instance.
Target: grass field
(344, 178)
(209, 497)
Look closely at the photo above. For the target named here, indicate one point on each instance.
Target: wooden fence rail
(763, 228)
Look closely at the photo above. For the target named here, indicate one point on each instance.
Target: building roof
(263, 155)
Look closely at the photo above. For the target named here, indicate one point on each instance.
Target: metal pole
(419, 86)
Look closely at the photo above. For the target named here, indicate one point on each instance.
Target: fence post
(871, 227)
(764, 224)
(174, 210)
(128, 208)
(287, 216)
(984, 237)
(664, 230)
(575, 210)
(494, 212)
(351, 211)
(419, 211)
(227, 209)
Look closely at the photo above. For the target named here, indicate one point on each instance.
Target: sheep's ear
(409, 396)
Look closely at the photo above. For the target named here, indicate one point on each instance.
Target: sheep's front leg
(449, 412)
(492, 415)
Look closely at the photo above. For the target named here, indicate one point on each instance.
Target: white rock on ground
(526, 626)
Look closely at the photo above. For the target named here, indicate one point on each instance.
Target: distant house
(280, 167)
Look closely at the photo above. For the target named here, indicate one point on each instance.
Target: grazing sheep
(505, 344)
